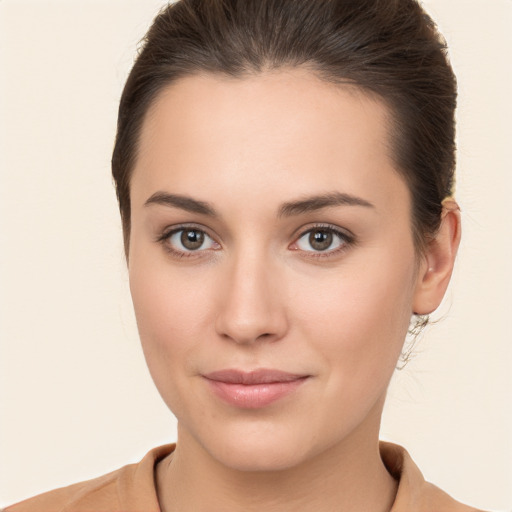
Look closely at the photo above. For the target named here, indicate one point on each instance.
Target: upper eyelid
(328, 227)
(170, 230)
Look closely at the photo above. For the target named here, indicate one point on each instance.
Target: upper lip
(259, 376)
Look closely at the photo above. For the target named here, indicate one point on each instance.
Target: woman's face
(270, 231)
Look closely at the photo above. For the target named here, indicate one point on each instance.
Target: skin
(258, 295)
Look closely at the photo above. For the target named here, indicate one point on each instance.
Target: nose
(250, 307)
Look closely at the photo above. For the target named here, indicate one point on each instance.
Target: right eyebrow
(182, 202)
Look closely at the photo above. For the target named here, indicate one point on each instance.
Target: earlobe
(439, 258)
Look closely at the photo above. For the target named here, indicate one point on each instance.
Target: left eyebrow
(314, 203)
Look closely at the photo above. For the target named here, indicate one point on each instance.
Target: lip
(254, 389)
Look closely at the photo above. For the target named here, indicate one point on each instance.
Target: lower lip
(254, 396)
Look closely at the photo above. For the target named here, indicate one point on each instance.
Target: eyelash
(346, 240)
(168, 233)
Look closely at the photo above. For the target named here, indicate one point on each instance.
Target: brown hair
(390, 48)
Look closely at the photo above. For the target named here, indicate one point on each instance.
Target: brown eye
(320, 240)
(323, 239)
(192, 239)
(186, 240)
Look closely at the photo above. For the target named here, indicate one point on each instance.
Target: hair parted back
(388, 48)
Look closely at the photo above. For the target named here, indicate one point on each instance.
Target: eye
(322, 240)
(187, 240)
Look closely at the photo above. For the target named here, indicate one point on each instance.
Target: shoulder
(414, 492)
(100, 493)
(128, 488)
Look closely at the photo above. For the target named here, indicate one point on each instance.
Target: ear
(437, 262)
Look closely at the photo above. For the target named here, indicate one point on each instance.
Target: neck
(349, 477)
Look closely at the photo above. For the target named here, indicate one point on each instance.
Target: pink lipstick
(255, 389)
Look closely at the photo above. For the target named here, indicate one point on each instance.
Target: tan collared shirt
(132, 489)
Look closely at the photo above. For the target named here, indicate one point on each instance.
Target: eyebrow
(289, 209)
(314, 203)
(183, 202)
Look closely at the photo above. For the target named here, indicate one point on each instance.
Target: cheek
(360, 317)
(169, 314)
(155, 306)
(167, 300)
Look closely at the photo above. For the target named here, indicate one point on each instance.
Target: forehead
(285, 129)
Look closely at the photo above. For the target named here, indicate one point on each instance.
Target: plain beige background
(76, 398)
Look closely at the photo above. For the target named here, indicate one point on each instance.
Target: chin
(262, 456)
(266, 445)
(255, 446)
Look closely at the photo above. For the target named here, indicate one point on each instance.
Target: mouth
(255, 389)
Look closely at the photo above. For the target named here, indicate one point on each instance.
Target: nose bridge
(250, 307)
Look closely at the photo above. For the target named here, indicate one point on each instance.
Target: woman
(284, 171)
